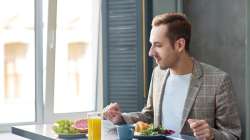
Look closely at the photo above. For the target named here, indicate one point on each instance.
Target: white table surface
(37, 132)
(45, 132)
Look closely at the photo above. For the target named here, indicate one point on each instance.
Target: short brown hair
(178, 27)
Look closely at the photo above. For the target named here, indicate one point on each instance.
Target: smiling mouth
(157, 59)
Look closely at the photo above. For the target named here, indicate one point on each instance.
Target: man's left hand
(201, 129)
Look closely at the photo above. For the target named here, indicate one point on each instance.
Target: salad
(151, 131)
(145, 129)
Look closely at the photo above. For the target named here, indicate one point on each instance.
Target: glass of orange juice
(94, 125)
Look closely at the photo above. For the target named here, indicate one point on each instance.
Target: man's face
(165, 55)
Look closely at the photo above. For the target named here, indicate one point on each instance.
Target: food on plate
(145, 129)
(81, 125)
(151, 131)
(65, 127)
(141, 126)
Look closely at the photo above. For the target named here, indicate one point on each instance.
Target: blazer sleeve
(147, 113)
(227, 121)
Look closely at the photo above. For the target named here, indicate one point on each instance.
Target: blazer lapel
(194, 87)
(162, 82)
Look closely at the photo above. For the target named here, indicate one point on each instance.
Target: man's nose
(151, 52)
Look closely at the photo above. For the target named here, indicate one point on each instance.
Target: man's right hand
(113, 113)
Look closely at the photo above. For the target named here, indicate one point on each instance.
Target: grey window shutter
(122, 54)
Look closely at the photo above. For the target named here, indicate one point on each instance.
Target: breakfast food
(81, 125)
(152, 131)
(144, 129)
(64, 127)
(141, 126)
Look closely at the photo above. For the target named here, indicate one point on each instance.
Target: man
(185, 95)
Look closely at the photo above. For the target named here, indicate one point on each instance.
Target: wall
(162, 6)
(220, 37)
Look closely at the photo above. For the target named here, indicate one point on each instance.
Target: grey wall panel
(163, 6)
(247, 72)
(218, 38)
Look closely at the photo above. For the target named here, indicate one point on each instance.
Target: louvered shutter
(122, 55)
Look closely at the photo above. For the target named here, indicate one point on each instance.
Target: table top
(45, 132)
(38, 132)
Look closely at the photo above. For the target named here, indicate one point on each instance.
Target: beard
(170, 63)
(163, 67)
(166, 62)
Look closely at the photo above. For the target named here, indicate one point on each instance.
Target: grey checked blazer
(210, 97)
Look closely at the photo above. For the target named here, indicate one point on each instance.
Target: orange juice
(94, 128)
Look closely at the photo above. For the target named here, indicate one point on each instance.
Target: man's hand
(201, 129)
(112, 112)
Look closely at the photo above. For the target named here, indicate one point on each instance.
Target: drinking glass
(94, 125)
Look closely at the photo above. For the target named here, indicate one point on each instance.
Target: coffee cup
(125, 132)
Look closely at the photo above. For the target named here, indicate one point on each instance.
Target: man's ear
(180, 44)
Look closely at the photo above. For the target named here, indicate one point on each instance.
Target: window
(48, 60)
(71, 59)
(17, 65)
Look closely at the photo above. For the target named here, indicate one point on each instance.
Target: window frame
(44, 104)
(6, 127)
(49, 115)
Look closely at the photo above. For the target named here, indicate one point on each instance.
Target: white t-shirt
(175, 94)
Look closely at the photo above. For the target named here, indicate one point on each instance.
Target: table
(37, 132)
(45, 132)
